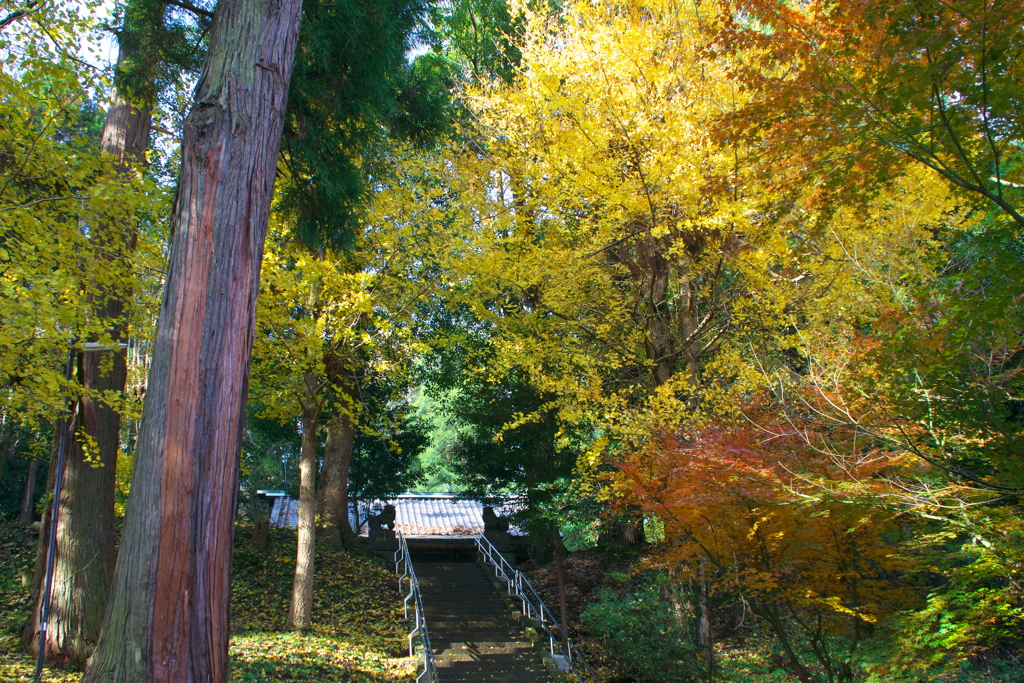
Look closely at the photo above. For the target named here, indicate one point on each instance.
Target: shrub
(648, 634)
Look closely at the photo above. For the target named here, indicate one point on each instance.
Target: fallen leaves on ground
(19, 667)
(17, 557)
(260, 656)
(357, 635)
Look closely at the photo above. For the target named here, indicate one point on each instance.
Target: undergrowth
(356, 635)
(619, 614)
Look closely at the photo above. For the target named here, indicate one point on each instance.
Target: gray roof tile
(416, 515)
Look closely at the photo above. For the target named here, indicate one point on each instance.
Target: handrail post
(519, 585)
(419, 618)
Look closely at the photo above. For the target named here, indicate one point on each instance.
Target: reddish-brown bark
(167, 619)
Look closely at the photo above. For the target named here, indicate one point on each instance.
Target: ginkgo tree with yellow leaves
(308, 320)
(625, 254)
(611, 241)
(66, 280)
(328, 324)
(640, 267)
(605, 212)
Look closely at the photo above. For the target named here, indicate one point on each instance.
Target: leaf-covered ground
(586, 573)
(17, 557)
(356, 637)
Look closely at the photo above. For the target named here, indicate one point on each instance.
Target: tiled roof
(285, 513)
(437, 516)
(416, 515)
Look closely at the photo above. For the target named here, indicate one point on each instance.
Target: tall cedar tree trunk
(301, 608)
(28, 494)
(167, 618)
(84, 565)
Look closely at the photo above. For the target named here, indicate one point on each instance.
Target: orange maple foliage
(803, 534)
(848, 91)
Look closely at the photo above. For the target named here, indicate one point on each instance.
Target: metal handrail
(534, 608)
(405, 571)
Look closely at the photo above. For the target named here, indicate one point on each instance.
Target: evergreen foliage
(640, 625)
(158, 39)
(353, 95)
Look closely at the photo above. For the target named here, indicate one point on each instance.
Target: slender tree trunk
(679, 607)
(5, 451)
(167, 618)
(334, 480)
(301, 608)
(355, 516)
(28, 494)
(563, 602)
(31, 631)
(769, 614)
(704, 635)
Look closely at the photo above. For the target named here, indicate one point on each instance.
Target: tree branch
(186, 5)
(30, 7)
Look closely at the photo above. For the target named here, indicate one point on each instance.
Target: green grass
(356, 634)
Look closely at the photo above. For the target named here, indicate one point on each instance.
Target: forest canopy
(732, 286)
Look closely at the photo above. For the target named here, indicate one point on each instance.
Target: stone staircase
(471, 631)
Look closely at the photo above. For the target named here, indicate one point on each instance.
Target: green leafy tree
(641, 623)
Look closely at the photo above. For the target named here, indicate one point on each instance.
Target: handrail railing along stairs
(535, 609)
(405, 570)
